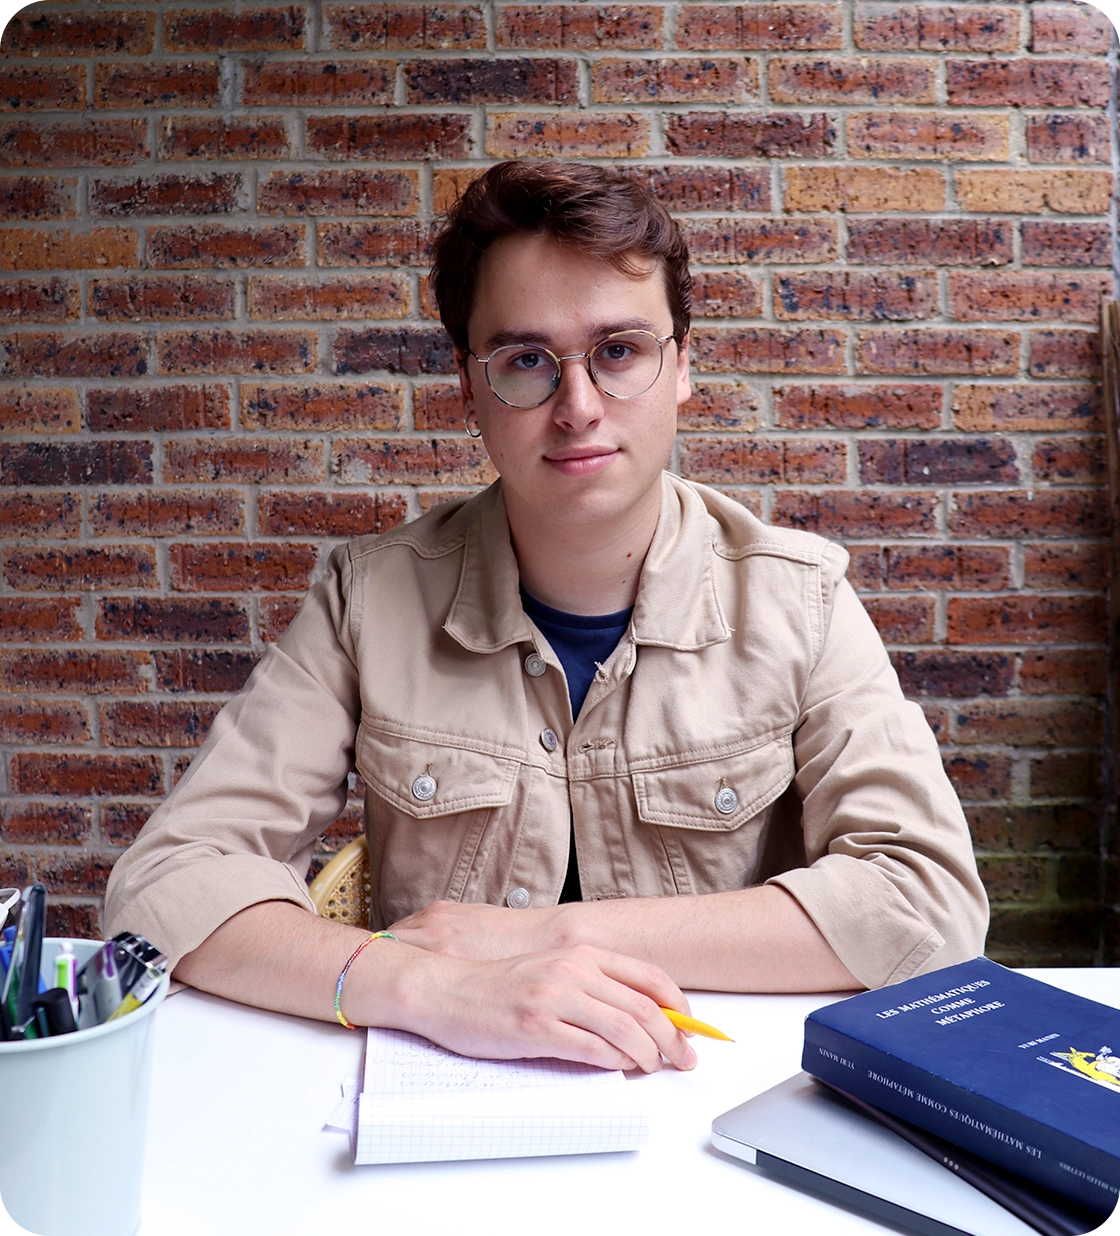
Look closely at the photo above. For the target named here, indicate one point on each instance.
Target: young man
(617, 735)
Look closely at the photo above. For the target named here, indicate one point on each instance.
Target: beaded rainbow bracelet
(377, 935)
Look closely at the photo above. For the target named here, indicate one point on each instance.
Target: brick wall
(221, 356)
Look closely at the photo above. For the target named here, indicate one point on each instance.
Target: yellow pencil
(695, 1027)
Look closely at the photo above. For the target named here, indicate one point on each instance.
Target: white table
(239, 1098)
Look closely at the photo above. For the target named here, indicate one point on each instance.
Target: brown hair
(600, 212)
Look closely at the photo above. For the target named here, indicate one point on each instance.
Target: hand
(480, 932)
(579, 1003)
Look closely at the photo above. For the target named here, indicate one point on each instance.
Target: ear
(684, 387)
(465, 388)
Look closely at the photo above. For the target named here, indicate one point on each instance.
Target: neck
(584, 568)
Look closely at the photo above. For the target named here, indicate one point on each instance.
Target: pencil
(693, 1026)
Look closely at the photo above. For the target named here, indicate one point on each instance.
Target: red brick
(80, 34)
(1079, 461)
(75, 670)
(1064, 353)
(392, 349)
(329, 300)
(725, 294)
(1079, 28)
(976, 778)
(172, 512)
(24, 619)
(838, 79)
(1027, 83)
(730, 461)
(865, 567)
(1025, 620)
(853, 513)
(348, 192)
(1066, 564)
(25, 87)
(39, 300)
(211, 672)
(148, 408)
(946, 461)
(437, 405)
(1066, 774)
(317, 83)
(121, 822)
(411, 461)
(954, 674)
(276, 615)
(75, 873)
(390, 242)
(37, 197)
(252, 461)
(335, 514)
(90, 248)
(750, 135)
(322, 406)
(609, 135)
(937, 27)
(91, 568)
(15, 869)
(219, 244)
(1013, 877)
(214, 567)
(168, 194)
(428, 306)
(741, 349)
(1020, 296)
(957, 567)
(1027, 408)
(1053, 936)
(928, 135)
(216, 137)
(491, 81)
(702, 188)
(694, 80)
(76, 463)
(181, 298)
(736, 240)
(864, 189)
(937, 350)
(73, 143)
(901, 620)
(857, 407)
(173, 620)
(388, 27)
(48, 355)
(31, 515)
(46, 824)
(1072, 671)
(1064, 138)
(398, 135)
(585, 27)
(855, 295)
(754, 27)
(1041, 512)
(1066, 244)
(1066, 191)
(143, 723)
(35, 722)
(431, 498)
(237, 351)
(80, 775)
(39, 411)
(172, 83)
(930, 242)
(1029, 723)
(235, 30)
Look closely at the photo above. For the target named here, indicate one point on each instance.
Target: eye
(616, 351)
(528, 360)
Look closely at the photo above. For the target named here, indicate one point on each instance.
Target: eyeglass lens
(622, 365)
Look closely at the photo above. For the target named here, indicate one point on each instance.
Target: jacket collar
(676, 607)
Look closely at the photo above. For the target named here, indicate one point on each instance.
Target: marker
(65, 970)
(692, 1026)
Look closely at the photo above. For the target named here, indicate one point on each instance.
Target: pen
(65, 973)
(695, 1027)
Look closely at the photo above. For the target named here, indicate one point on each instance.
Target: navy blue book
(1001, 1065)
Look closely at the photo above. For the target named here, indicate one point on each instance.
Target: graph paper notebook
(421, 1103)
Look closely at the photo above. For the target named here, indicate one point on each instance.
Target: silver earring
(475, 432)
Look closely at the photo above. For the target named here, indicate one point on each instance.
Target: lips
(581, 460)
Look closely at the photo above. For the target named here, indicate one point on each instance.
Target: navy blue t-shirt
(582, 642)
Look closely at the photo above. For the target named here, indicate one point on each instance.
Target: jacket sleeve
(891, 879)
(241, 825)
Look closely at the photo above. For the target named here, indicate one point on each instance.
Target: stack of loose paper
(420, 1102)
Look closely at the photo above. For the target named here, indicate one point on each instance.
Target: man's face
(582, 457)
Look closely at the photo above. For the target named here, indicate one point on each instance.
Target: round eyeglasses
(623, 366)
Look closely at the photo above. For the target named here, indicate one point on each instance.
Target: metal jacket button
(549, 740)
(518, 899)
(424, 788)
(534, 665)
(726, 800)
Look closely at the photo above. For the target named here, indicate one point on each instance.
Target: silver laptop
(803, 1134)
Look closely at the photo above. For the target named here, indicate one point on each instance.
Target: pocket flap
(426, 779)
(715, 795)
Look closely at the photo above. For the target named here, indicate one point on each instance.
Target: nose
(579, 402)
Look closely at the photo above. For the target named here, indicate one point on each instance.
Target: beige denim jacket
(748, 727)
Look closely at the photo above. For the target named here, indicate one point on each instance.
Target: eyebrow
(503, 338)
